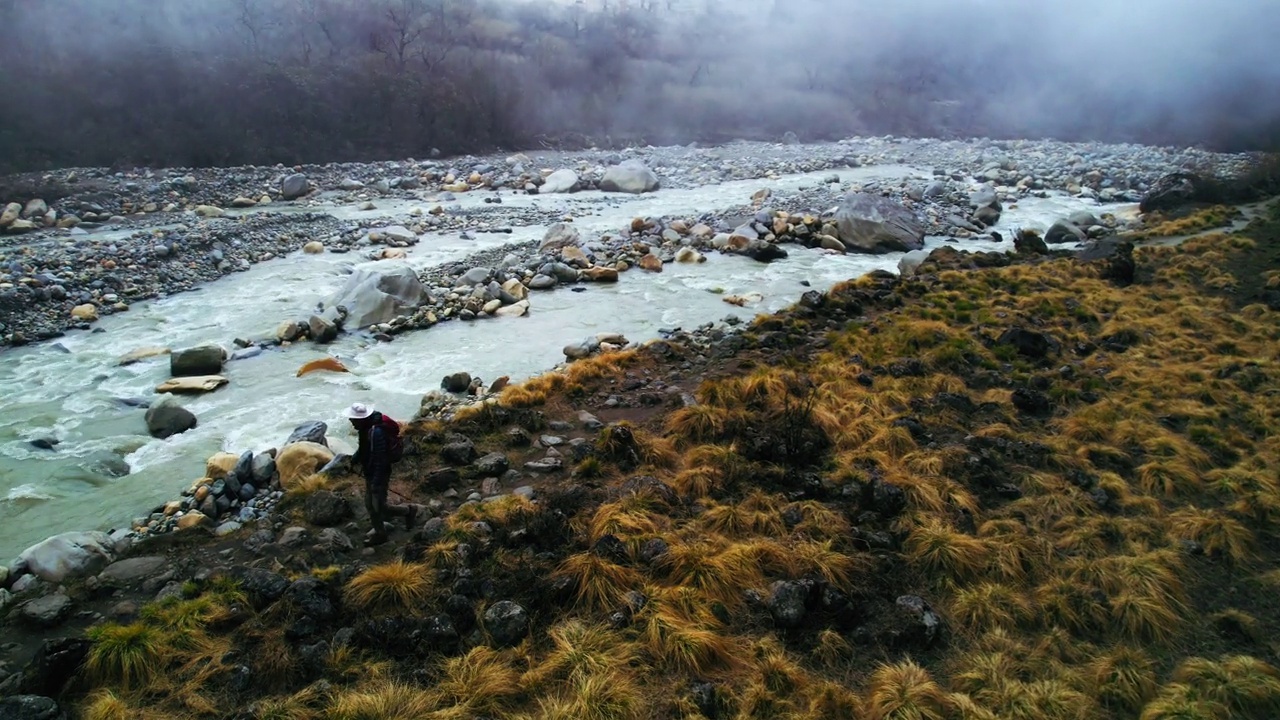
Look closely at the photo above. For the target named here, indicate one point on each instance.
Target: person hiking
(379, 447)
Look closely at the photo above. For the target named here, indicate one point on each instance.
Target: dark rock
(441, 478)
(787, 600)
(312, 598)
(456, 383)
(56, 662)
(887, 499)
(612, 549)
(1029, 242)
(706, 699)
(875, 224)
(44, 443)
(653, 550)
(259, 540)
(440, 631)
(30, 707)
(326, 508)
(460, 451)
(1171, 191)
(1064, 231)
(294, 186)
(167, 420)
(764, 252)
(1115, 254)
(313, 659)
(1029, 343)
(263, 586)
(312, 431)
(1032, 402)
(205, 360)
(322, 328)
(492, 465)
(125, 572)
(334, 540)
(988, 216)
(925, 625)
(263, 469)
(46, 612)
(506, 622)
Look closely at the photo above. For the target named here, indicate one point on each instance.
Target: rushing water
(72, 390)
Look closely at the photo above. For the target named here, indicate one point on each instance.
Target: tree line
(230, 82)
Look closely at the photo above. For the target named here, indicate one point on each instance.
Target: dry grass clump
(394, 587)
(1159, 227)
(569, 381)
(126, 655)
(598, 583)
(382, 701)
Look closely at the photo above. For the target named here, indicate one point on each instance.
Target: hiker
(379, 447)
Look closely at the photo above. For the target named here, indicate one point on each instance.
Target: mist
(224, 82)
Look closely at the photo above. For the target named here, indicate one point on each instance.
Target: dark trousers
(375, 501)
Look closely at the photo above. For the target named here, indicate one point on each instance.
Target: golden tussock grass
(1124, 678)
(1217, 532)
(394, 587)
(580, 649)
(598, 583)
(905, 691)
(602, 696)
(481, 682)
(988, 606)
(126, 656)
(381, 701)
(717, 569)
(942, 552)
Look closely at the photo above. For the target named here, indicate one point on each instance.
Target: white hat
(359, 411)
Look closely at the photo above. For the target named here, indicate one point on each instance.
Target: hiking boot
(375, 540)
(411, 518)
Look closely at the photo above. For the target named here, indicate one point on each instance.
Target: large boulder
(560, 236)
(219, 465)
(312, 431)
(875, 224)
(73, 554)
(560, 181)
(1064, 231)
(630, 176)
(1171, 191)
(10, 213)
(203, 360)
(376, 296)
(299, 460)
(294, 186)
(506, 622)
(166, 420)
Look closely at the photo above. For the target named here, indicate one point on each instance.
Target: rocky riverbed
(88, 242)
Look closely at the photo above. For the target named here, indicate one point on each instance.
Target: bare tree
(405, 24)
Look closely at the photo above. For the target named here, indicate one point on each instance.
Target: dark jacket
(373, 456)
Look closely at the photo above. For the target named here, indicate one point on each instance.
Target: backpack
(395, 443)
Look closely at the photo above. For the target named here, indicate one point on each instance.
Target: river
(71, 390)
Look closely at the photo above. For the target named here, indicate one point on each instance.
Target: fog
(218, 82)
